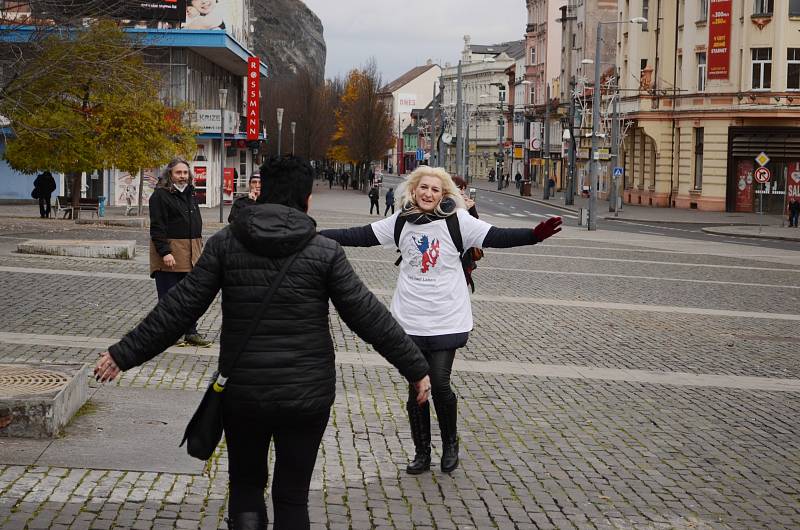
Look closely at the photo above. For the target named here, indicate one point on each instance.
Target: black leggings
(441, 365)
(374, 204)
(297, 438)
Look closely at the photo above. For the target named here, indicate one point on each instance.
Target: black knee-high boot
(419, 418)
(448, 425)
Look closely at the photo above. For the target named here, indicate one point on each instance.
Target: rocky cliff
(288, 37)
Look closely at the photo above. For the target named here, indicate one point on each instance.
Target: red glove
(547, 228)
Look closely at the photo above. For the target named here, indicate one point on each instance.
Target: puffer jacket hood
(273, 230)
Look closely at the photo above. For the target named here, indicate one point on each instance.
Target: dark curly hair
(287, 180)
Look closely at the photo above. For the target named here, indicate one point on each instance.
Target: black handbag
(204, 430)
(35, 193)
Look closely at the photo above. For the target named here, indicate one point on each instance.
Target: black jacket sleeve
(509, 237)
(369, 318)
(159, 214)
(183, 305)
(358, 236)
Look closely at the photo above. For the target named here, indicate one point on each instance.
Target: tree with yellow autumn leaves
(363, 124)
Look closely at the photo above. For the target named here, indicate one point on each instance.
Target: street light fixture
(279, 112)
(595, 161)
(223, 100)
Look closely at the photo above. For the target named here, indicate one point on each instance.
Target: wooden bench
(88, 204)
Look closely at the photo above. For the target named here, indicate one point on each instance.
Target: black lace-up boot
(448, 426)
(419, 418)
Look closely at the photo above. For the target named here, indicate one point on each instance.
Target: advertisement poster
(224, 15)
(793, 182)
(126, 187)
(230, 176)
(200, 183)
(744, 186)
(173, 11)
(719, 39)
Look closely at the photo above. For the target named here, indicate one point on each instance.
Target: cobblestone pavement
(538, 452)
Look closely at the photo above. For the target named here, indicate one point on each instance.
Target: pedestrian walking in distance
(283, 384)
(43, 188)
(389, 202)
(176, 235)
(374, 198)
(431, 300)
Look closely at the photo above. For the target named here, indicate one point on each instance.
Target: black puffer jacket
(288, 364)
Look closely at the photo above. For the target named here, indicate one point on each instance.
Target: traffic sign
(420, 155)
(762, 159)
(762, 175)
(618, 171)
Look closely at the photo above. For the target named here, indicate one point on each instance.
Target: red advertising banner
(228, 182)
(253, 97)
(719, 39)
(744, 186)
(793, 182)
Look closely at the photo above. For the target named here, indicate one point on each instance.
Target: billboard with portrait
(173, 11)
(224, 15)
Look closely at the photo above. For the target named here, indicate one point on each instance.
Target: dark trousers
(166, 281)
(248, 433)
(374, 204)
(44, 206)
(793, 217)
(441, 366)
(391, 205)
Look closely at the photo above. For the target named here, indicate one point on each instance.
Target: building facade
(710, 85)
(195, 58)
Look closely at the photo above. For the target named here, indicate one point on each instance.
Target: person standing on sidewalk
(43, 187)
(794, 211)
(176, 234)
(389, 201)
(431, 300)
(283, 385)
(248, 200)
(374, 200)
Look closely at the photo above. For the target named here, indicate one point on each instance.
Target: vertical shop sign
(253, 97)
(793, 181)
(719, 39)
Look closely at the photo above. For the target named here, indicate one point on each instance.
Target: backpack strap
(455, 232)
(398, 229)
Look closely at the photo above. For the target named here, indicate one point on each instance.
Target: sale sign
(719, 39)
(253, 97)
(793, 181)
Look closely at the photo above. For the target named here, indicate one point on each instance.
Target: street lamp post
(280, 125)
(595, 160)
(546, 144)
(293, 127)
(223, 99)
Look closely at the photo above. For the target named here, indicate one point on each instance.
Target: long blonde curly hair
(405, 191)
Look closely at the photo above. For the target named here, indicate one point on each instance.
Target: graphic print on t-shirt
(426, 252)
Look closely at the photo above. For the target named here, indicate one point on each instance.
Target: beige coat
(185, 251)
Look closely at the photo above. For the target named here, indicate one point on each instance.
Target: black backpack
(468, 258)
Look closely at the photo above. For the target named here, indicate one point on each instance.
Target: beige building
(709, 85)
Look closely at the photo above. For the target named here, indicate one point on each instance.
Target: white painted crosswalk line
(568, 216)
(519, 215)
(501, 214)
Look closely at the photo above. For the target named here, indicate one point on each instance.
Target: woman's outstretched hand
(106, 369)
(423, 387)
(547, 228)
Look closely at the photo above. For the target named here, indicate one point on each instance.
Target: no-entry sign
(762, 175)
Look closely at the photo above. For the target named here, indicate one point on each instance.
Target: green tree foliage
(88, 101)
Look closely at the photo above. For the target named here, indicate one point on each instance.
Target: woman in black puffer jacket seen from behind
(284, 383)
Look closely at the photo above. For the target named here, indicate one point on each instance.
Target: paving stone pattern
(537, 452)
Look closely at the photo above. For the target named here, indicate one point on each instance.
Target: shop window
(793, 69)
(701, 72)
(699, 135)
(762, 68)
(794, 8)
(243, 176)
(763, 7)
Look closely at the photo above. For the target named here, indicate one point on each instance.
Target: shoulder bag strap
(257, 318)
(455, 232)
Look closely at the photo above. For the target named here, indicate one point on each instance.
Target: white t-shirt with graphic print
(432, 296)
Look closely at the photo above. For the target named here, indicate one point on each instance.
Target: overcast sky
(401, 35)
